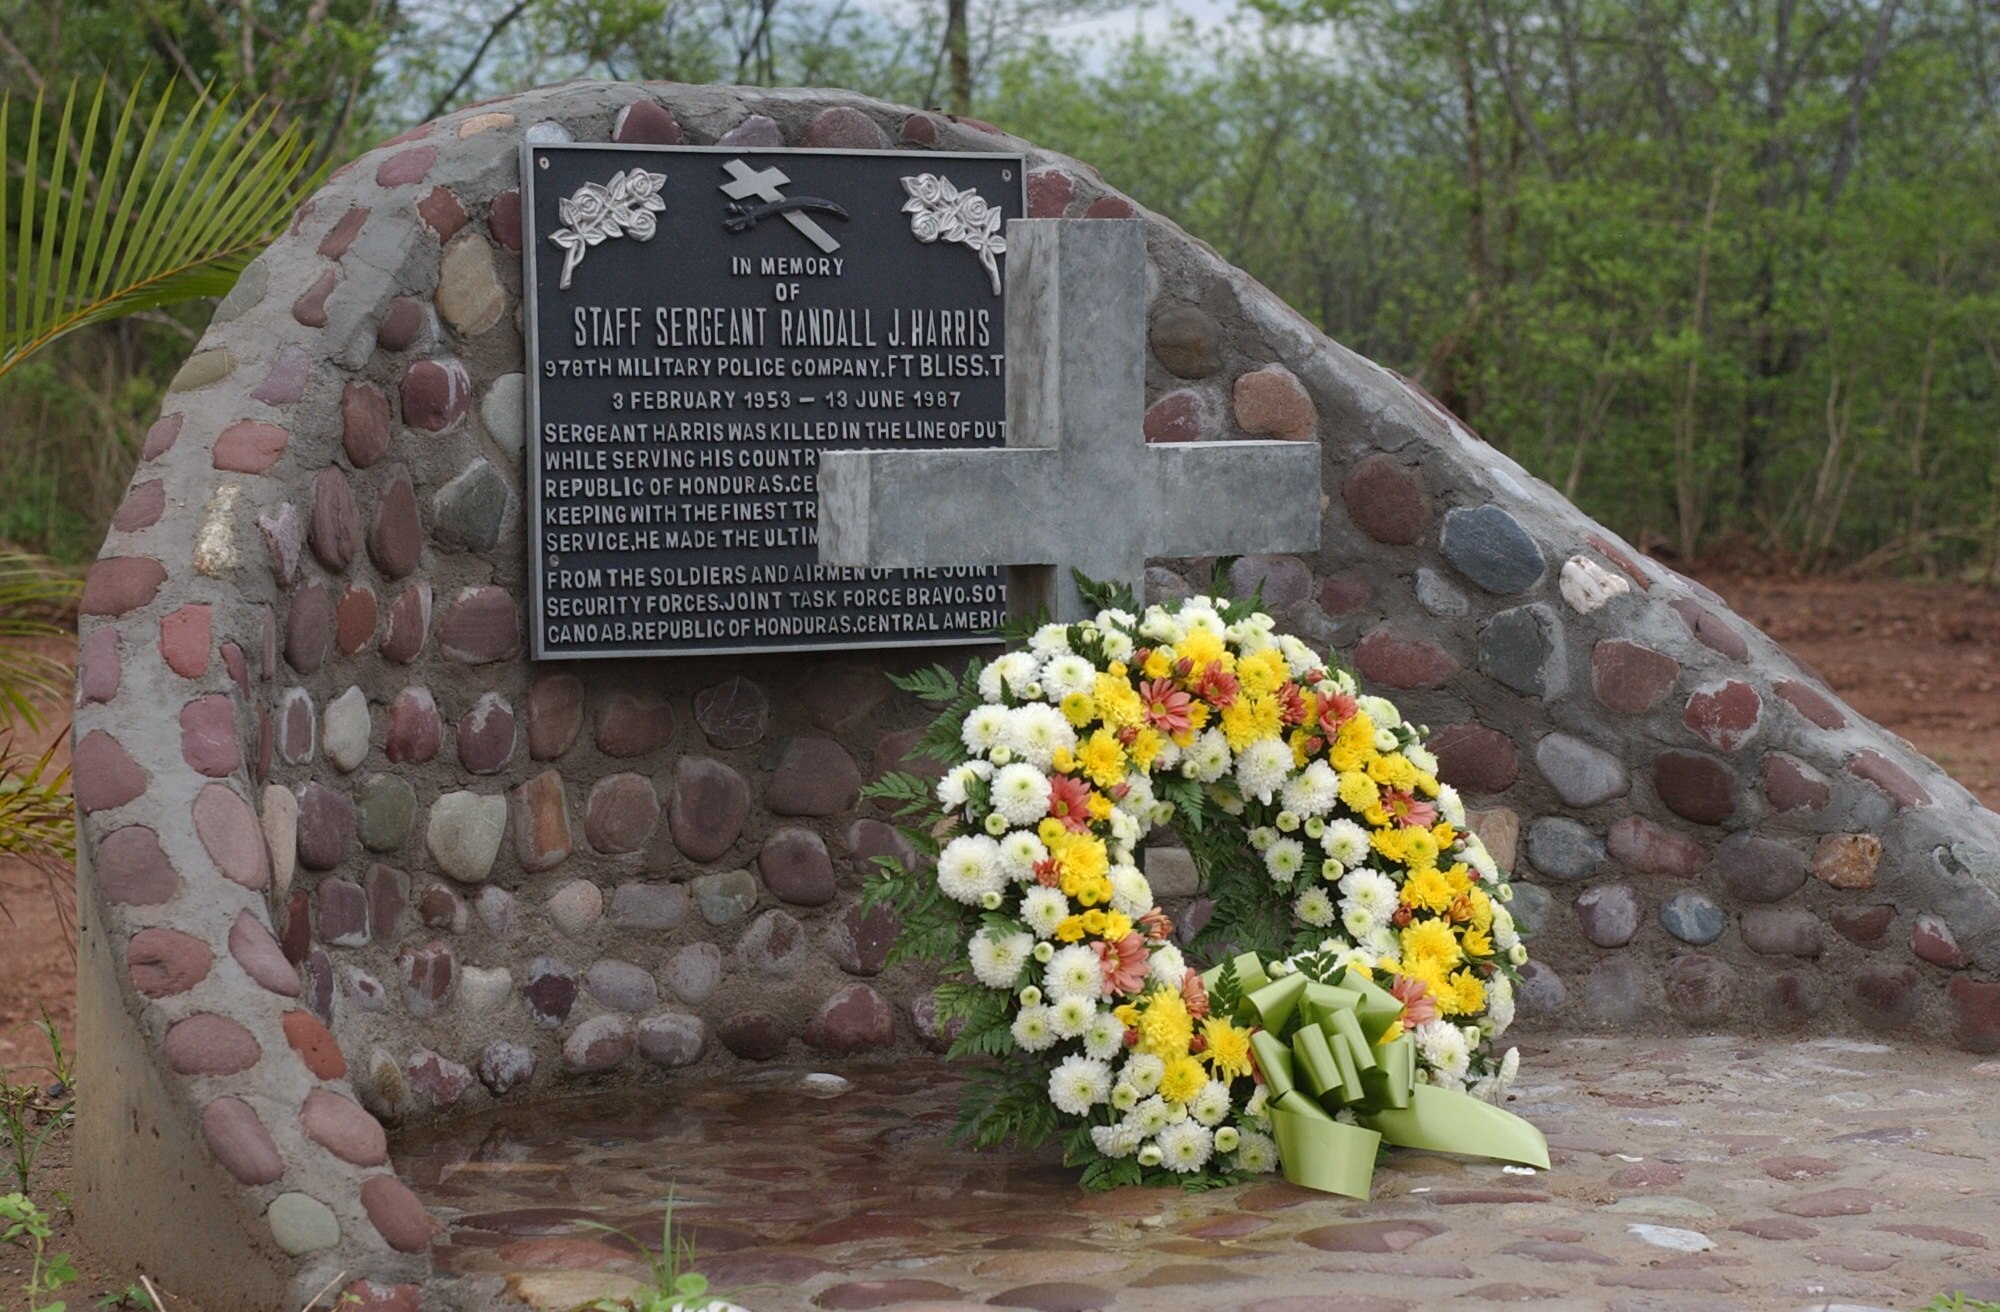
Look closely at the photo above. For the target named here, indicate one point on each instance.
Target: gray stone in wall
(727, 897)
(1525, 649)
(1693, 917)
(1489, 546)
(1562, 848)
(1581, 774)
(1439, 595)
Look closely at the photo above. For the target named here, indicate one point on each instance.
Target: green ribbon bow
(1320, 1050)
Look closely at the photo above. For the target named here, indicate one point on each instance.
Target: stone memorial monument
(373, 829)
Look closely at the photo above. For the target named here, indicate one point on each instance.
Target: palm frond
(153, 211)
(36, 599)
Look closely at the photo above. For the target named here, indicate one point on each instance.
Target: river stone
(501, 411)
(1530, 907)
(601, 1043)
(325, 827)
(1581, 774)
(1693, 917)
(1630, 678)
(1649, 849)
(550, 991)
(555, 715)
(1701, 990)
(471, 510)
(1542, 992)
(1753, 869)
(1847, 861)
(496, 911)
(469, 294)
(1695, 787)
(504, 1066)
(645, 906)
(621, 985)
(1524, 649)
(796, 867)
(1609, 914)
(1563, 849)
(483, 989)
(1782, 931)
(1186, 341)
(1439, 595)
(774, 945)
(693, 973)
(464, 834)
(706, 812)
(1489, 546)
(733, 713)
(856, 1019)
(346, 729)
(672, 1039)
(621, 813)
(576, 906)
(301, 1224)
(814, 777)
(726, 897)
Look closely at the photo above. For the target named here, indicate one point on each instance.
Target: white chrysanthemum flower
(1381, 941)
(1198, 615)
(969, 868)
(1034, 1028)
(1208, 755)
(1421, 757)
(1117, 645)
(953, 790)
(1131, 895)
(1160, 628)
(1150, 1117)
(997, 958)
(1263, 768)
(1169, 757)
(1371, 891)
(1284, 859)
(1050, 640)
(1143, 1071)
(1381, 710)
(1359, 922)
(1125, 828)
(1066, 674)
(1259, 1107)
(1139, 799)
(1072, 1016)
(1037, 732)
(985, 728)
(1256, 1152)
(1044, 909)
(1115, 1140)
(1105, 1038)
(1211, 1105)
(1018, 670)
(1074, 972)
(1444, 1048)
(1480, 859)
(1500, 1002)
(1314, 907)
(1021, 793)
(1505, 932)
(1167, 966)
(1313, 791)
(1451, 806)
(1185, 1148)
(1345, 842)
(1078, 1083)
(1020, 853)
(1346, 954)
(1300, 659)
(1385, 740)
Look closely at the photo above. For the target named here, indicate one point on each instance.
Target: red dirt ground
(1920, 659)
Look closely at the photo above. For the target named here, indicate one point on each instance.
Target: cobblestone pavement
(1689, 1174)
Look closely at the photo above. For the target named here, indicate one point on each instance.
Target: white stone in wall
(464, 834)
(482, 989)
(1587, 585)
(346, 729)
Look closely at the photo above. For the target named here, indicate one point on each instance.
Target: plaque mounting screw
(544, 161)
(1006, 175)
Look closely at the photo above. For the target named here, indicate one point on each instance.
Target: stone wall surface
(352, 858)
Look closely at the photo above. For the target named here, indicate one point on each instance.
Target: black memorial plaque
(703, 322)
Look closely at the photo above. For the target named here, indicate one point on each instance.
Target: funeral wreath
(1364, 957)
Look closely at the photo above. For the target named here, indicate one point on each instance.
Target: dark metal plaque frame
(962, 263)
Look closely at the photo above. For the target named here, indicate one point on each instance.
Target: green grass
(1958, 1303)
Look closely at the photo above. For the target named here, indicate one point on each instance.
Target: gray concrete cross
(1077, 486)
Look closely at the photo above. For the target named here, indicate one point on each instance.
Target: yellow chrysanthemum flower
(1357, 791)
(1164, 1025)
(1145, 748)
(1429, 944)
(1427, 784)
(1262, 673)
(1467, 995)
(1201, 647)
(1444, 834)
(1102, 758)
(1182, 1080)
(1251, 719)
(1476, 943)
(1118, 701)
(1419, 848)
(1228, 1051)
(1116, 926)
(1099, 806)
(1427, 889)
(1159, 663)
(1070, 930)
(1079, 710)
